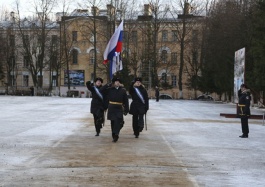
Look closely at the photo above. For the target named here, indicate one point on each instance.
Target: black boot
(244, 136)
(98, 131)
(136, 134)
(116, 137)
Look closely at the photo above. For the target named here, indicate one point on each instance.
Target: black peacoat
(118, 101)
(137, 105)
(244, 104)
(97, 103)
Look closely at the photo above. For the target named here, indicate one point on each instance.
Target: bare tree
(131, 53)
(9, 53)
(186, 22)
(95, 32)
(3, 57)
(2, 74)
(66, 43)
(35, 34)
(150, 25)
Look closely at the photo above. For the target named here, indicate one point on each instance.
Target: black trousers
(137, 123)
(116, 126)
(98, 120)
(244, 125)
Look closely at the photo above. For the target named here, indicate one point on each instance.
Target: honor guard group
(112, 99)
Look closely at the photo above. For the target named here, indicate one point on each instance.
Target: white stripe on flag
(113, 41)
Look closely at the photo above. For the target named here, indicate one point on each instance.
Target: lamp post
(12, 45)
(95, 43)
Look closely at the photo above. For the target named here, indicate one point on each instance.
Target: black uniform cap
(116, 79)
(138, 79)
(99, 79)
(243, 86)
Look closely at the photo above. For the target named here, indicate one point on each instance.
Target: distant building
(28, 50)
(151, 49)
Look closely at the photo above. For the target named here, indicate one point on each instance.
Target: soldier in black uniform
(157, 93)
(117, 107)
(97, 104)
(244, 109)
(139, 105)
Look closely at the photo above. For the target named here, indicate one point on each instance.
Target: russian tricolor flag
(113, 50)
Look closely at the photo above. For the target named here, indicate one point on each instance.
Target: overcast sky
(26, 5)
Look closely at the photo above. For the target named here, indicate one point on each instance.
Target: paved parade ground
(50, 141)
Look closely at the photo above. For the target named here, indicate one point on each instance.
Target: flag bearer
(117, 107)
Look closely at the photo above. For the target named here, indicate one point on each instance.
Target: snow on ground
(194, 132)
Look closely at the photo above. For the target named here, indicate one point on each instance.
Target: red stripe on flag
(119, 46)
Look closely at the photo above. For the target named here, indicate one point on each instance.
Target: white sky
(27, 8)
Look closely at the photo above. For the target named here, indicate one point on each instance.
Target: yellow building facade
(141, 51)
(152, 49)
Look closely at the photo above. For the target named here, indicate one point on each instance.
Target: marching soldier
(117, 107)
(97, 104)
(139, 105)
(244, 109)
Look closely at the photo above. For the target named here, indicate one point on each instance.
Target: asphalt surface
(50, 141)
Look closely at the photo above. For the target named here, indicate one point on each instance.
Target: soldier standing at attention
(117, 107)
(244, 109)
(139, 105)
(97, 103)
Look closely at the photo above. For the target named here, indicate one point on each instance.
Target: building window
(74, 36)
(174, 80)
(134, 36)
(12, 40)
(13, 80)
(164, 36)
(54, 80)
(40, 80)
(26, 62)
(164, 78)
(75, 56)
(54, 42)
(26, 41)
(40, 41)
(39, 62)
(174, 59)
(174, 36)
(53, 61)
(164, 56)
(92, 56)
(12, 62)
(25, 80)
